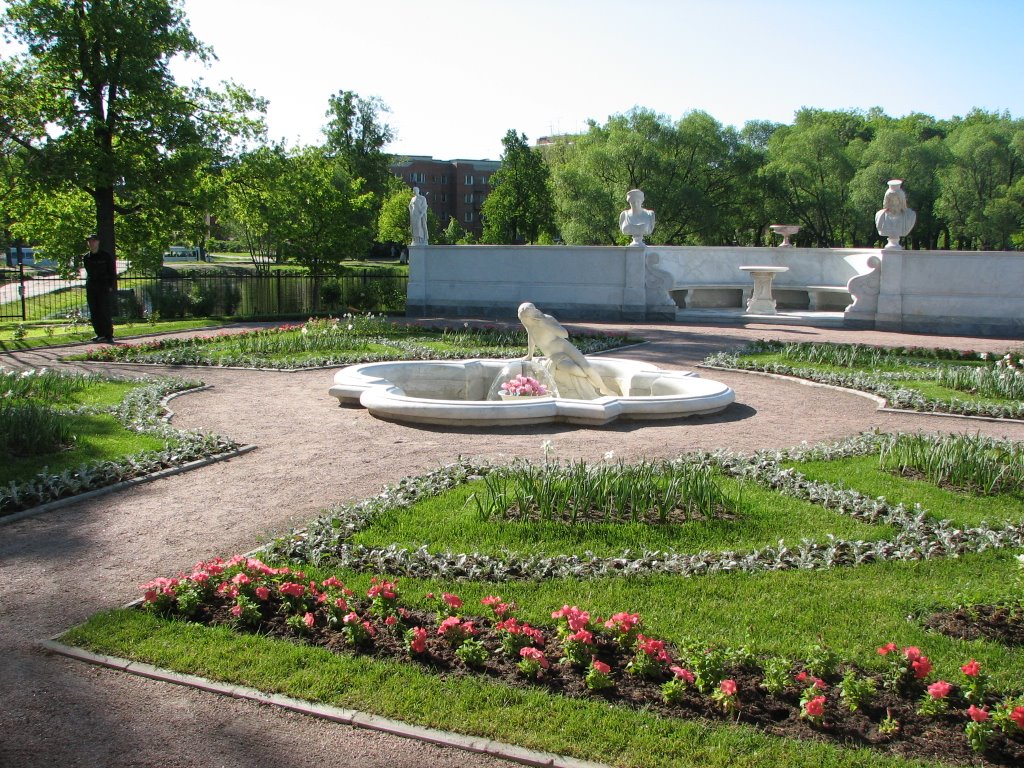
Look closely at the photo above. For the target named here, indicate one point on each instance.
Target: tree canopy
(96, 115)
(519, 208)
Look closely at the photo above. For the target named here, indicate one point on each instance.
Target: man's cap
(93, 236)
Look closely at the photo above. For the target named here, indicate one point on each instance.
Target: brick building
(452, 187)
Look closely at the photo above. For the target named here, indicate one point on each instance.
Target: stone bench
(815, 298)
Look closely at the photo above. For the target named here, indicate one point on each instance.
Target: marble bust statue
(418, 217)
(895, 220)
(637, 221)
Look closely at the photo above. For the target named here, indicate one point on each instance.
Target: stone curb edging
(169, 471)
(883, 404)
(349, 717)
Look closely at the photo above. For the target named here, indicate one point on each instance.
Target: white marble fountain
(577, 389)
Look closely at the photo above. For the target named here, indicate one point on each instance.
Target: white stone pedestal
(761, 301)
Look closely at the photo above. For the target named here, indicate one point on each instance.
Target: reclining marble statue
(574, 376)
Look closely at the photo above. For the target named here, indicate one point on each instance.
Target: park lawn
(854, 610)
(965, 510)
(452, 523)
(18, 336)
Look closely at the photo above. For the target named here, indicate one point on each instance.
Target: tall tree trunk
(104, 198)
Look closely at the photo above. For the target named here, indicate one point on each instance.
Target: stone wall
(918, 291)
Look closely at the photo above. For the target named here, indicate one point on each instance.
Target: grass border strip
(883, 403)
(168, 472)
(348, 717)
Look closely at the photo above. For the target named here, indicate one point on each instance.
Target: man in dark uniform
(100, 285)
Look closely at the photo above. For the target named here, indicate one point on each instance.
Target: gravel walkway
(58, 568)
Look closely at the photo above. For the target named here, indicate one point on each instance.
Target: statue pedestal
(761, 301)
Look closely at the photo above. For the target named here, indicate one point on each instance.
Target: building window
(418, 178)
(469, 180)
(444, 179)
(469, 216)
(483, 180)
(467, 198)
(444, 197)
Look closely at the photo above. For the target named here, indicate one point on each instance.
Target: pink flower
(886, 649)
(922, 667)
(913, 653)
(652, 647)
(815, 707)
(292, 589)
(391, 621)
(534, 654)
(490, 600)
(263, 593)
(971, 668)
(453, 601)
(418, 644)
(308, 619)
(939, 690)
(1018, 717)
(583, 636)
(802, 675)
(236, 611)
(977, 715)
(682, 674)
(600, 666)
(341, 604)
(623, 622)
(728, 687)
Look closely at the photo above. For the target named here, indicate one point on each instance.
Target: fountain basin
(454, 393)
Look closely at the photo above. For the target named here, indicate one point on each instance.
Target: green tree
(95, 108)
(356, 137)
(689, 171)
(811, 165)
(249, 201)
(520, 206)
(321, 214)
(981, 188)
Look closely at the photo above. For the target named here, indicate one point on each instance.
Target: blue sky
(457, 75)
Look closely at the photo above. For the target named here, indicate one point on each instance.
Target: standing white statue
(637, 221)
(895, 220)
(572, 373)
(418, 217)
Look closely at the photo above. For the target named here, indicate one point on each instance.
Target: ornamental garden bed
(63, 434)
(768, 617)
(348, 340)
(919, 379)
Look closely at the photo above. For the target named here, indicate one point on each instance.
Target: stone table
(761, 301)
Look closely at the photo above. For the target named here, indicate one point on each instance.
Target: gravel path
(58, 568)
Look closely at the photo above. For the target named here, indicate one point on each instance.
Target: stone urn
(787, 231)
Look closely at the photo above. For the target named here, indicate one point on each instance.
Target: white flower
(548, 447)
(609, 455)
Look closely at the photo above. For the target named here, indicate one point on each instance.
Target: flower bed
(904, 710)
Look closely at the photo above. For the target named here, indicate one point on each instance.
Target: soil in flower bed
(999, 623)
(939, 738)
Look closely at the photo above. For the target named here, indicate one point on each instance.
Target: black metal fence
(250, 296)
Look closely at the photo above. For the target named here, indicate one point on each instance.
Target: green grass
(853, 610)
(964, 509)
(97, 437)
(342, 341)
(452, 523)
(17, 336)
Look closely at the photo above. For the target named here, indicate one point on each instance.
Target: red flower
(939, 690)
(913, 653)
(971, 668)
(728, 687)
(1018, 717)
(815, 707)
(887, 649)
(977, 715)
(922, 667)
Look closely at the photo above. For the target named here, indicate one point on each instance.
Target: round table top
(765, 269)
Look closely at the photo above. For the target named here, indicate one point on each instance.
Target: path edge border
(350, 717)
